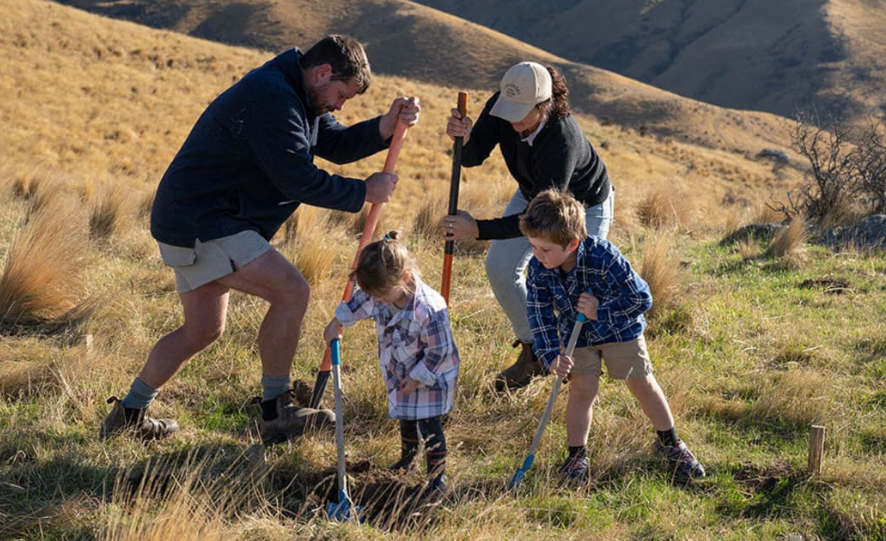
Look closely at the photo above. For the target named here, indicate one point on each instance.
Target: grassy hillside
(775, 56)
(419, 43)
(750, 348)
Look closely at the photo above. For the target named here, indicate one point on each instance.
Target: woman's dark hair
(345, 55)
(557, 106)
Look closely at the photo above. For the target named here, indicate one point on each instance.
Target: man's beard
(316, 96)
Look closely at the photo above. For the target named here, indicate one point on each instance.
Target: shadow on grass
(56, 498)
(768, 490)
(42, 497)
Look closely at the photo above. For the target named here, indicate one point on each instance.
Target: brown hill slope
(94, 101)
(765, 55)
(417, 42)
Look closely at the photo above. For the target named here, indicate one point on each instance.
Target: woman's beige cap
(523, 87)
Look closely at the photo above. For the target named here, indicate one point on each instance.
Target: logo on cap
(511, 90)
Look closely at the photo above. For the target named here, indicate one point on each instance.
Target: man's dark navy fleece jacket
(249, 160)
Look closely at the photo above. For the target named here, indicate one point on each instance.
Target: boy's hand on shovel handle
(587, 305)
(561, 366)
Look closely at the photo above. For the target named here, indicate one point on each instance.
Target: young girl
(416, 351)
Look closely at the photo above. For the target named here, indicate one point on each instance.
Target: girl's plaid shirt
(552, 297)
(415, 341)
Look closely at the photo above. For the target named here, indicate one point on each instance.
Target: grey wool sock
(140, 395)
(273, 386)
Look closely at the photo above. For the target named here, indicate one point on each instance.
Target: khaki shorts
(624, 360)
(208, 261)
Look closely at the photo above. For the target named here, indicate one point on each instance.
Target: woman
(543, 148)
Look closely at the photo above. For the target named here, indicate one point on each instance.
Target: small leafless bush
(869, 162)
(846, 178)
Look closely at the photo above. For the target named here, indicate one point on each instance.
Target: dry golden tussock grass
(661, 270)
(426, 218)
(358, 222)
(145, 204)
(171, 501)
(663, 207)
(311, 244)
(489, 434)
(765, 213)
(110, 211)
(40, 283)
(20, 377)
(788, 242)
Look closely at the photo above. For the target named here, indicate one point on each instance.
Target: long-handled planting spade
(365, 238)
(453, 197)
(546, 416)
(343, 510)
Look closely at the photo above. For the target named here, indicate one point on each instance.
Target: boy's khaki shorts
(208, 261)
(624, 360)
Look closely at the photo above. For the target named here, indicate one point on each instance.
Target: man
(244, 169)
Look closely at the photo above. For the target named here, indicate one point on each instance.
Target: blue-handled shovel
(549, 408)
(343, 510)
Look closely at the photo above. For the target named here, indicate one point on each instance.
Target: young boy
(566, 265)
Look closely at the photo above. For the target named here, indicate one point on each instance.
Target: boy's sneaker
(575, 469)
(684, 465)
(135, 423)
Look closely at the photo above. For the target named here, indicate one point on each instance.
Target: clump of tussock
(44, 193)
(307, 244)
(302, 216)
(37, 186)
(108, 214)
(661, 271)
(766, 213)
(424, 224)
(24, 184)
(145, 204)
(41, 283)
(661, 208)
(788, 242)
(338, 218)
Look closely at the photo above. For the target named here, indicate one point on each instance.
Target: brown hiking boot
(521, 372)
(135, 422)
(291, 420)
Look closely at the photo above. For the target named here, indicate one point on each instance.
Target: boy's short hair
(345, 55)
(556, 217)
